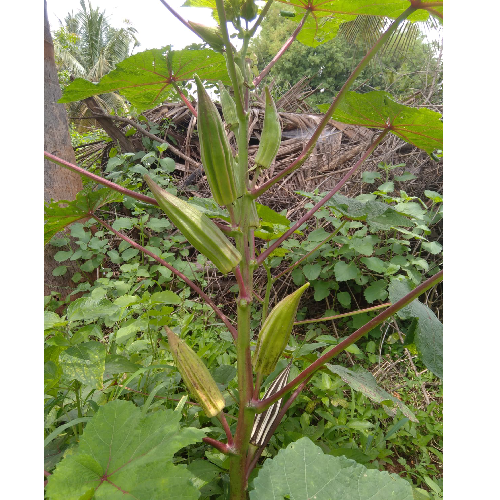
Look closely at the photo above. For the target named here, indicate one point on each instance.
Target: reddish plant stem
(116, 187)
(180, 18)
(276, 422)
(312, 141)
(380, 318)
(241, 284)
(180, 275)
(46, 473)
(222, 418)
(222, 447)
(185, 99)
(100, 180)
(283, 49)
(345, 315)
(263, 256)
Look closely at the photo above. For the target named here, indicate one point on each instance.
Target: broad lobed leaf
(303, 472)
(123, 453)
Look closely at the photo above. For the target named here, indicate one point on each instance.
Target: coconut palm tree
(87, 46)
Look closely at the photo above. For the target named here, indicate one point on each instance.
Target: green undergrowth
(106, 342)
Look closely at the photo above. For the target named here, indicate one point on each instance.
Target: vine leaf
(325, 18)
(428, 334)
(418, 126)
(85, 363)
(363, 381)
(302, 471)
(57, 217)
(124, 454)
(146, 79)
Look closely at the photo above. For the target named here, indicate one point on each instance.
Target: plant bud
(196, 375)
(228, 108)
(198, 229)
(249, 10)
(271, 134)
(275, 333)
(210, 35)
(216, 154)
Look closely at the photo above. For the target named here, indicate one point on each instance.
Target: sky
(155, 25)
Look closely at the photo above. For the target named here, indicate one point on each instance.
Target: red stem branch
(180, 275)
(222, 418)
(283, 49)
(185, 99)
(380, 318)
(263, 256)
(222, 447)
(100, 180)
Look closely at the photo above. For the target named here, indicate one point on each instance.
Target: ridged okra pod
(216, 156)
(228, 108)
(271, 134)
(275, 333)
(198, 229)
(195, 375)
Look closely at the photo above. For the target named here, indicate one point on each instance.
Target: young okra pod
(228, 108)
(271, 134)
(210, 35)
(216, 156)
(198, 229)
(275, 333)
(195, 375)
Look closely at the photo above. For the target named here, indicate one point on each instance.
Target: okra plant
(231, 247)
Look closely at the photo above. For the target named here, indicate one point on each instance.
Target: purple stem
(116, 187)
(100, 180)
(222, 418)
(263, 256)
(283, 49)
(380, 318)
(195, 287)
(347, 85)
(223, 448)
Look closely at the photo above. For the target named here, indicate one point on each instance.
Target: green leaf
(119, 364)
(146, 78)
(87, 201)
(374, 264)
(432, 195)
(363, 381)
(387, 187)
(123, 451)
(321, 290)
(344, 272)
(165, 297)
(61, 256)
(311, 271)
(370, 177)
(418, 126)
(406, 176)
(344, 299)
(428, 337)
(432, 247)
(302, 472)
(130, 329)
(269, 215)
(158, 225)
(89, 308)
(59, 271)
(377, 290)
(85, 363)
(52, 320)
(167, 164)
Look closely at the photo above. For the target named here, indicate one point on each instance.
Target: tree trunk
(59, 183)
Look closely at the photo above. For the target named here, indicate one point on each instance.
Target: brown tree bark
(59, 183)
